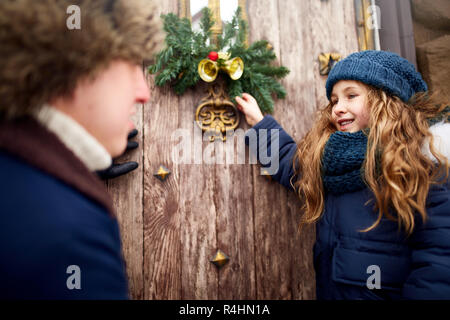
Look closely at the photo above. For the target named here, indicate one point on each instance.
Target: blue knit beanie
(385, 70)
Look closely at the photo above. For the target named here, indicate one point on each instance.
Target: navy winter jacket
(56, 222)
(415, 267)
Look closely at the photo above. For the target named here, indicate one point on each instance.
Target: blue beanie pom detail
(381, 69)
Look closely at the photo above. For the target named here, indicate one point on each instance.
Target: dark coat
(54, 214)
(415, 267)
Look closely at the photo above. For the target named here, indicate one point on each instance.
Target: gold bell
(208, 69)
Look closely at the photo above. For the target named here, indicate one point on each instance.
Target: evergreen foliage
(177, 63)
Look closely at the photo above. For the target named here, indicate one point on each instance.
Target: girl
(373, 173)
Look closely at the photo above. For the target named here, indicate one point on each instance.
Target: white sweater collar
(441, 137)
(75, 138)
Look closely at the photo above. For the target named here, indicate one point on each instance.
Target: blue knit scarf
(342, 161)
(343, 157)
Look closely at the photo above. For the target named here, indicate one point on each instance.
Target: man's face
(104, 106)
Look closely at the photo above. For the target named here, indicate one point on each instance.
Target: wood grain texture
(337, 34)
(162, 246)
(198, 211)
(235, 224)
(162, 266)
(296, 115)
(272, 254)
(127, 195)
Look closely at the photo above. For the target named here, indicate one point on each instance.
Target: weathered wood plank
(273, 235)
(297, 114)
(235, 232)
(336, 34)
(126, 192)
(162, 268)
(198, 210)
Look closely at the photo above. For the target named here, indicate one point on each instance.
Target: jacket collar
(28, 140)
(74, 137)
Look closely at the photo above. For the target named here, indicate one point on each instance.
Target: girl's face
(349, 106)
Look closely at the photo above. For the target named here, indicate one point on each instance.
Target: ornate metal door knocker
(327, 62)
(216, 114)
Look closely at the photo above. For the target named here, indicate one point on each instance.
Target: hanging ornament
(209, 68)
(178, 63)
(213, 56)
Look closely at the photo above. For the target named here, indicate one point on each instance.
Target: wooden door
(170, 230)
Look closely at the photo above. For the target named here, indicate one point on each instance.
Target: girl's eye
(351, 96)
(333, 102)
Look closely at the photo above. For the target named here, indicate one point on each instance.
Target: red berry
(213, 55)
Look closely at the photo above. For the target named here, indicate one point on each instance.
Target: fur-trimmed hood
(42, 59)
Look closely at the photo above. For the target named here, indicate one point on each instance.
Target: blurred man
(66, 97)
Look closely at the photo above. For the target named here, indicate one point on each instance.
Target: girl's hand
(248, 105)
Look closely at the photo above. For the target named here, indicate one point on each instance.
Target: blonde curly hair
(396, 170)
(42, 59)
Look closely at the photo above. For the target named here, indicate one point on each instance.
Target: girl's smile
(345, 123)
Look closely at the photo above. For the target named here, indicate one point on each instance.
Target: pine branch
(234, 89)
(177, 63)
(243, 28)
(268, 70)
(206, 23)
(230, 32)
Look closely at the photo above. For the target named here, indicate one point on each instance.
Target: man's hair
(41, 58)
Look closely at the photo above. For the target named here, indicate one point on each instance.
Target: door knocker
(327, 61)
(216, 114)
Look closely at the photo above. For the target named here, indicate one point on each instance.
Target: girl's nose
(339, 108)
(142, 90)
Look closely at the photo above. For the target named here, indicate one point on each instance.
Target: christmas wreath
(178, 63)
